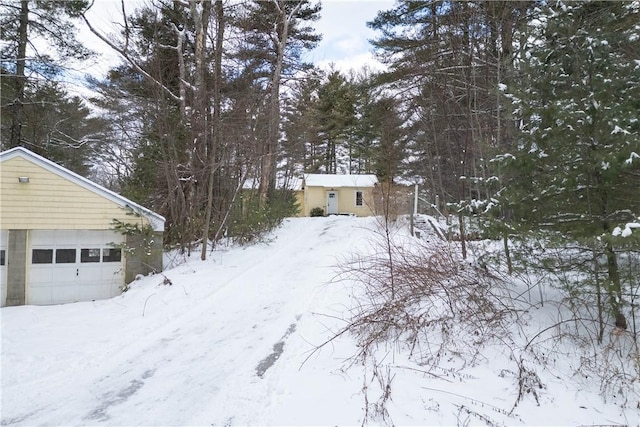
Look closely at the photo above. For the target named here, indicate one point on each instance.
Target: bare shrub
(422, 298)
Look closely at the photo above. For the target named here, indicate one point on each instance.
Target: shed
(338, 194)
(58, 243)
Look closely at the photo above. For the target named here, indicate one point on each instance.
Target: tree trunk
(596, 274)
(267, 174)
(614, 287)
(217, 103)
(18, 105)
(507, 253)
(463, 237)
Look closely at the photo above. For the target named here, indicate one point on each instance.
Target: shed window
(2, 257)
(359, 201)
(65, 256)
(111, 255)
(42, 256)
(90, 255)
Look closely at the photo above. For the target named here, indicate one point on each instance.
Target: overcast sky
(343, 25)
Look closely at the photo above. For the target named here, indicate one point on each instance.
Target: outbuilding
(338, 194)
(64, 238)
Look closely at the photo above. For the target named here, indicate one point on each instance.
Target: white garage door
(73, 265)
(3, 267)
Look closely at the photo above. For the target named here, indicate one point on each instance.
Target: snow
(333, 180)
(617, 129)
(627, 230)
(231, 342)
(632, 156)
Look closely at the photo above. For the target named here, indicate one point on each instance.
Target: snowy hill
(231, 342)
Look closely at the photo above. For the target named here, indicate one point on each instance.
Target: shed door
(332, 202)
(73, 265)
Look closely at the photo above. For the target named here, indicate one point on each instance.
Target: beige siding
(317, 197)
(50, 202)
(314, 197)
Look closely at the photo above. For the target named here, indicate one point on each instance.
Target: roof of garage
(156, 220)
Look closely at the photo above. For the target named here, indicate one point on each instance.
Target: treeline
(509, 109)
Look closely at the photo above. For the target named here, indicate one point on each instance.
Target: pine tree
(277, 32)
(335, 115)
(446, 59)
(22, 23)
(572, 171)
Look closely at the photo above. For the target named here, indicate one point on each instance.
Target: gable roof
(332, 180)
(155, 220)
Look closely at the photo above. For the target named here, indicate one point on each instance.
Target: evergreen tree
(446, 59)
(390, 151)
(301, 146)
(55, 125)
(572, 170)
(22, 25)
(276, 34)
(334, 124)
(335, 116)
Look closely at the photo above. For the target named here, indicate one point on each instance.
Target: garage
(58, 242)
(73, 265)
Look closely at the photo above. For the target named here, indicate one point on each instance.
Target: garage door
(73, 265)
(3, 267)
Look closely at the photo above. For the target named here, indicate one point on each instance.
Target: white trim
(156, 220)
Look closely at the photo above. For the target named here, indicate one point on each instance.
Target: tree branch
(124, 54)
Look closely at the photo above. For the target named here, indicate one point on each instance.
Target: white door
(73, 265)
(3, 267)
(332, 202)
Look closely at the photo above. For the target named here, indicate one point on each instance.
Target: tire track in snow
(158, 351)
(278, 349)
(192, 366)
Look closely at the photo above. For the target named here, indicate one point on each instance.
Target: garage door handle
(77, 271)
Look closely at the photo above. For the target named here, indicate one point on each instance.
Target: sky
(345, 35)
(343, 25)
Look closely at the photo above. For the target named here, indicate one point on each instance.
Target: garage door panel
(91, 292)
(62, 293)
(65, 273)
(109, 276)
(98, 238)
(41, 276)
(82, 267)
(41, 295)
(40, 238)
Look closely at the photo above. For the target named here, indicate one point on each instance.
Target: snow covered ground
(231, 342)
